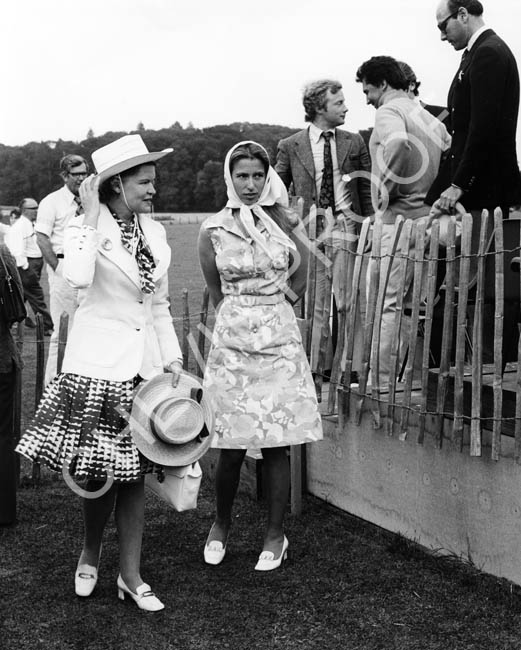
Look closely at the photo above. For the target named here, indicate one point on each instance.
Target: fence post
(446, 340)
(477, 342)
(17, 407)
(396, 339)
(379, 310)
(498, 334)
(461, 320)
(344, 390)
(38, 390)
(186, 329)
(62, 339)
(202, 332)
(429, 313)
(419, 248)
(517, 425)
(325, 334)
(311, 280)
(374, 280)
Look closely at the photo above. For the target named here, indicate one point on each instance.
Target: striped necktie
(79, 208)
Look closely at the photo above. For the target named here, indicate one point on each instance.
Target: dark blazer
(483, 103)
(295, 165)
(440, 112)
(9, 354)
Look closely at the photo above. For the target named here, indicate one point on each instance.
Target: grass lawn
(347, 585)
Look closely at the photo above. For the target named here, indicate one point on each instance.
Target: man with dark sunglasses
(481, 171)
(483, 102)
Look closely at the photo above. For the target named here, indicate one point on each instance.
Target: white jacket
(118, 331)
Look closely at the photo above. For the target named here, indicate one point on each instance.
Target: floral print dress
(257, 375)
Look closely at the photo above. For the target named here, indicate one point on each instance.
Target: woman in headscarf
(253, 255)
(118, 258)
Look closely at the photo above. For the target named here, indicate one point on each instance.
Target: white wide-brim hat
(122, 154)
(171, 426)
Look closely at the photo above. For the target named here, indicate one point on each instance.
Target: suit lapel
(110, 246)
(160, 249)
(470, 56)
(343, 146)
(464, 65)
(304, 153)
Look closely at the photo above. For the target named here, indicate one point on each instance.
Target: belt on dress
(247, 300)
(60, 256)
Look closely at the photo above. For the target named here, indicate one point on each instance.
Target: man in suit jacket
(300, 162)
(481, 170)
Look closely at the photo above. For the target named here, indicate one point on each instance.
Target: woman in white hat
(118, 258)
(254, 258)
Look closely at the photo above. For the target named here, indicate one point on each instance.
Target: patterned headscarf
(134, 242)
(273, 192)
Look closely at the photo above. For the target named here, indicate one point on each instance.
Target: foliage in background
(193, 178)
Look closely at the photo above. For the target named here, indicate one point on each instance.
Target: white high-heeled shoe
(267, 560)
(85, 578)
(144, 597)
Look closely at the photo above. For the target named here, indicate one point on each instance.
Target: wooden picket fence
(461, 390)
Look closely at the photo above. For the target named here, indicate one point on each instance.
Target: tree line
(190, 179)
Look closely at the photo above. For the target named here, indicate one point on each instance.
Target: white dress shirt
(342, 194)
(475, 37)
(21, 241)
(54, 213)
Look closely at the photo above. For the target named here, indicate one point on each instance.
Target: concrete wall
(440, 498)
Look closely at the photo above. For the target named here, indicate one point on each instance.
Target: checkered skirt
(79, 426)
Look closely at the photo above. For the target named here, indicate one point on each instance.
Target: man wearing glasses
(481, 171)
(21, 241)
(54, 212)
(483, 103)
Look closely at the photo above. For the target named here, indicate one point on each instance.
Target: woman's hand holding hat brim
(89, 197)
(176, 368)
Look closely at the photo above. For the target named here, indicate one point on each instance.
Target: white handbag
(177, 486)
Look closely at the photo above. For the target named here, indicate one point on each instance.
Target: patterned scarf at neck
(135, 243)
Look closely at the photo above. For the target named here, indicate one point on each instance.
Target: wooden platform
(487, 397)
